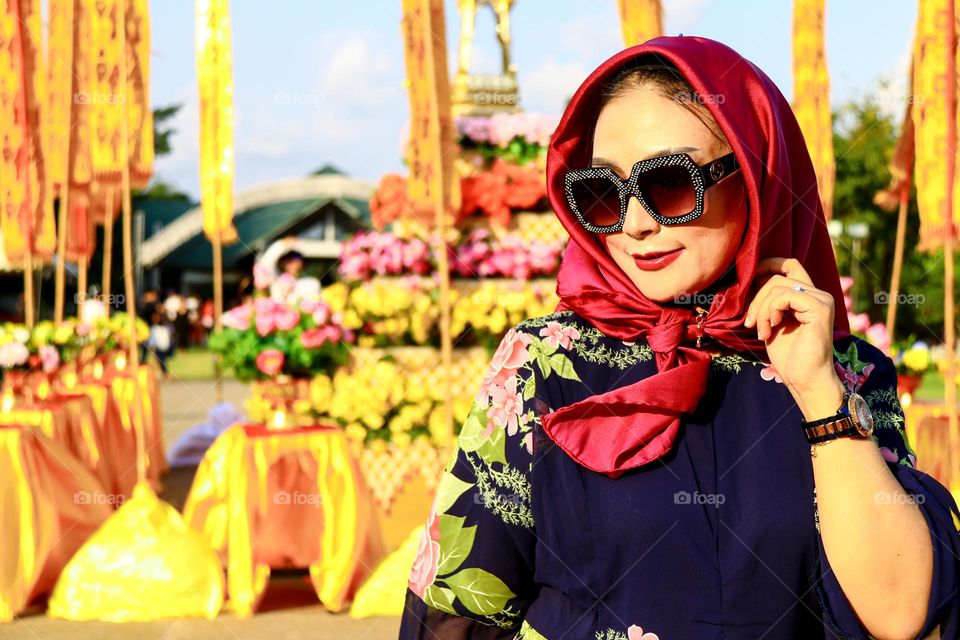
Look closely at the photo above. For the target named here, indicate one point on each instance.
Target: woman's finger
(754, 308)
(789, 267)
(804, 308)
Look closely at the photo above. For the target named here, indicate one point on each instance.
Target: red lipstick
(654, 260)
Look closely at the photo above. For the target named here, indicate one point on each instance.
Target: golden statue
(468, 18)
(485, 95)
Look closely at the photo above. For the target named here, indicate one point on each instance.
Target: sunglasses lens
(668, 190)
(598, 200)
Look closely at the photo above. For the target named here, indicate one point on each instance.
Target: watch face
(860, 412)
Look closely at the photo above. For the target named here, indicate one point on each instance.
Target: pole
(108, 250)
(950, 385)
(898, 257)
(59, 280)
(28, 314)
(217, 310)
(81, 285)
(133, 354)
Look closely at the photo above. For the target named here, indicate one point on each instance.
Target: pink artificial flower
(636, 633)
(238, 317)
(82, 329)
(556, 334)
(768, 373)
(270, 362)
(859, 323)
(285, 285)
(13, 354)
(313, 338)
(285, 317)
(321, 315)
(878, 336)
(845, 283)
(509, 357)
(262, 278)
(49, 357)
(425, 565)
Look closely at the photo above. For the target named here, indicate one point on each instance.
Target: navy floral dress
(716, 540)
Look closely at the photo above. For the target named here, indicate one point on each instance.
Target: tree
(864, 137)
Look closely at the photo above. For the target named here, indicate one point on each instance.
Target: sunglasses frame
(703, 177)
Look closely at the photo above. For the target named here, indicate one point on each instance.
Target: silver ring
(798, 288)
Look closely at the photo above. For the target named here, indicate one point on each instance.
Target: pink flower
(859, 323)
(238, 317)
(528, 442)
(424, 570)
(262, 278)
(82, 329)
(286, 317)
(555, 333)
(13, 354)
(313, 338)
(506, 406)
(845, 283)
(509, 357)
(878, 336)
(768, 373)
(270, 362)
(49, 357)
(321, 315)
(636, 633)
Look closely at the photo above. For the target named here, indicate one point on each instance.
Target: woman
(642, 464)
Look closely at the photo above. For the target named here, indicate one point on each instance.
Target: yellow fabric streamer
(930, 115)
(811, 94)
(290, 498)
(640, 20)
(45, 514)
(143, 564)
(139, 113)
(215, 77)
(384, 593)
(26, 208)
(432, 181)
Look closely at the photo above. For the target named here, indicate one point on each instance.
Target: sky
(321, 81)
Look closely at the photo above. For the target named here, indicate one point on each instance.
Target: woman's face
(643, 124)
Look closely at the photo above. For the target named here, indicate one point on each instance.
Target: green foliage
(864, 136)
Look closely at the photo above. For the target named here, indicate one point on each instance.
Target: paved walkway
(289, 611)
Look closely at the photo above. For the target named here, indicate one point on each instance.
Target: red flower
(313, 338)
(270, 362)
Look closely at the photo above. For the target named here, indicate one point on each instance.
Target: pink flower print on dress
(425, 565)
(850, 378)
(636, 633)
(509, 357)
(506, 407)
(556, 334)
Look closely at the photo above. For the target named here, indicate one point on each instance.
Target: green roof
(256, 227)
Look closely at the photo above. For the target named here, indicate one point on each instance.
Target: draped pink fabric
(636, 424)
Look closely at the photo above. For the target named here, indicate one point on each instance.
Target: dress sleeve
(473, 574)
(867, 371)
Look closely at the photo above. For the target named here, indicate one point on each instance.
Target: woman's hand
(797, 328)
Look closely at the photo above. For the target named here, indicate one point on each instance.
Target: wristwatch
(852, 420)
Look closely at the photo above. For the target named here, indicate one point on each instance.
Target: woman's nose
(638, 223)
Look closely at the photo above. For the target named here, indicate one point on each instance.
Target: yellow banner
(139, 111)
(27, 217)
(430, 157)
(215, 77)
(640, 20)
(931, 110)
(104, 97)
(811, 94)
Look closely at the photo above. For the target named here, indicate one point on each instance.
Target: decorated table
(269, 498)
(52, 503)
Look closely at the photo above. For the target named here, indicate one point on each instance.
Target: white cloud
(549, 86)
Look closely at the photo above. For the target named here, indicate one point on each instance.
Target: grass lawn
(193, 364)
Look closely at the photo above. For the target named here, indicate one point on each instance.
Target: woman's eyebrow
(603, 162)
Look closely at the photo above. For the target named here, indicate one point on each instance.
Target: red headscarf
(633, 425)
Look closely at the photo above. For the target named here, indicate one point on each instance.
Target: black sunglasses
(670, 188)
